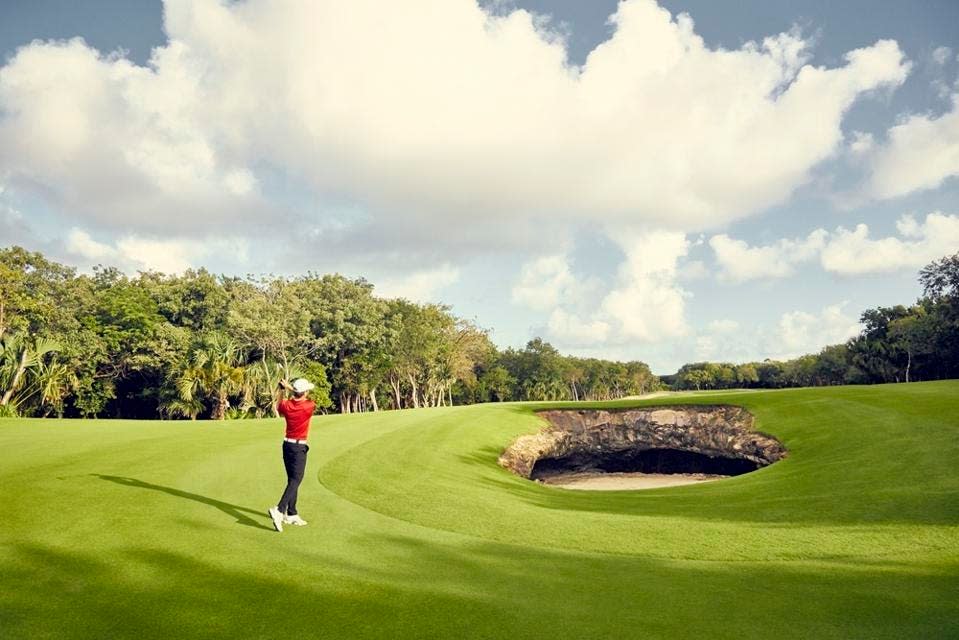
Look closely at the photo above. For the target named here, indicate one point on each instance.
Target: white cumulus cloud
(644, 304)
(801, 332)
(419, 286)
(920, 153)
(941, 55)
(116, 143)
(854, 252)
(570, 330)
(846, 252)
(421, 114)
(740, 262)
(132, 253)
(723, 326)
(547, 282)
(648, 304)
(861, 143)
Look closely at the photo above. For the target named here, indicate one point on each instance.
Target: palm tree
(53, 382)
(18, 357)
(259, 385)
(214, 372)
(177, 407)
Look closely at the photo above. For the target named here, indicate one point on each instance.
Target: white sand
(598, 481)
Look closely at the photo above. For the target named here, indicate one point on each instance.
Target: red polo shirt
(297, 414)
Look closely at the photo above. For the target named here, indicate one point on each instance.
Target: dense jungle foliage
(201, 345)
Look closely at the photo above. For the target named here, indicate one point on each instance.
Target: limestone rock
(585, 434)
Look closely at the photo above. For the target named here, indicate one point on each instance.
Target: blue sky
(671, 182)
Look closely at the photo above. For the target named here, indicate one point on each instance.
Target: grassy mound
(158, 529)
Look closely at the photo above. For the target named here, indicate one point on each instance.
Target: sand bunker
(604, 481)
(642, 448)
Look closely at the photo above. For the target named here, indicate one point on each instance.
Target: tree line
(897, 344)
(199, 345)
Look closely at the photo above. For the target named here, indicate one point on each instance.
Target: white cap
(301, 386)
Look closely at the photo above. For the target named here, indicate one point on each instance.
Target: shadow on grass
(233, 510)
(392, 586)
(483, 457)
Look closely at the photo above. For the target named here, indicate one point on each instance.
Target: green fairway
(158, 529)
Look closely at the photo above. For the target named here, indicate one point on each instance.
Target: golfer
(297, 411)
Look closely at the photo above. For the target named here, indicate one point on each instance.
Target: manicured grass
(158, 529)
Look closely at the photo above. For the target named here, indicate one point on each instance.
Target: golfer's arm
(278, 394)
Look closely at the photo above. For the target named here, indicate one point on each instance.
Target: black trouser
(294, 459)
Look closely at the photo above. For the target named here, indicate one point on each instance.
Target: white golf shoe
(276, 517)
(295, 519)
